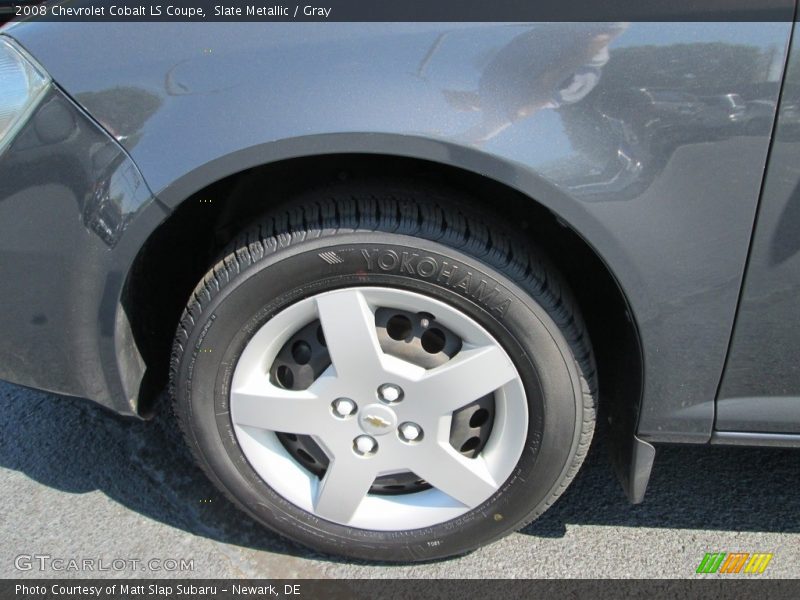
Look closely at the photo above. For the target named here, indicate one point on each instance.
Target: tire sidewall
(523, 327)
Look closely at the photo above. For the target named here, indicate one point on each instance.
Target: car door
(760, 390)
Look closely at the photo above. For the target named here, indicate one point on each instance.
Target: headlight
(22, 84)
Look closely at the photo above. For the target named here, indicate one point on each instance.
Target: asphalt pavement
(79, 482)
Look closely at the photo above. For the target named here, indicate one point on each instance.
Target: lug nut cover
(410, 432)
(343, 407)
(390, 393)
(365, 445)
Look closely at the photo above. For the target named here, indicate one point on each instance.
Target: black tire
(277, 262)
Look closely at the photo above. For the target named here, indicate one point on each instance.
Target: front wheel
(384, 379)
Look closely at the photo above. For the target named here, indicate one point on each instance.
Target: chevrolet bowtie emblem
(376, 421)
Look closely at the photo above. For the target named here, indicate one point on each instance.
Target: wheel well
(181, 250)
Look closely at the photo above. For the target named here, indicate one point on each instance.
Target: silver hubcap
(374, 414)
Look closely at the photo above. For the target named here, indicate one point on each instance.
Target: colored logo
(734, 562)
(376, 421)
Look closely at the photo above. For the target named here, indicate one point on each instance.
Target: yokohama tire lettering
(454, 276)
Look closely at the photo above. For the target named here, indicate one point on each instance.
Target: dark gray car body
(607, 126)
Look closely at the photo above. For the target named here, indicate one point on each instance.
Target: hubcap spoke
(349, 327)
(275, 409)
(344, 487)
(470, 375)
(467, 480)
